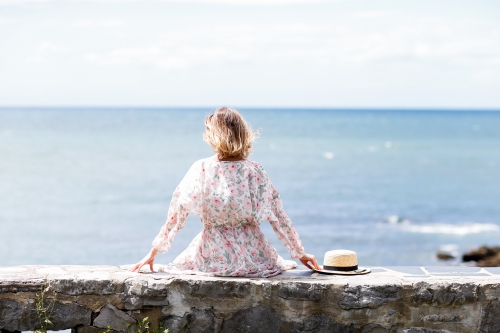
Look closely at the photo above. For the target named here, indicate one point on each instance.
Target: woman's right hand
(149, 259)
(309, 261)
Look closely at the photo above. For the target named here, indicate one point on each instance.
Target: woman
(232, 195)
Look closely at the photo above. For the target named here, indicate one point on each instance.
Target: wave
(452, 229)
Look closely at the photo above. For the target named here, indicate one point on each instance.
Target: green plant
(143, 326)
(161, 328)
(45, 305)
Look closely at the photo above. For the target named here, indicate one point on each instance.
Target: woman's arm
(288, 235)
(185, 199)
(284, 228)
(176, 220)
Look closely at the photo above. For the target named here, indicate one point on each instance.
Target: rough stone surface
(114, 318)
(196, 321)
(389, 300)
(252, 320)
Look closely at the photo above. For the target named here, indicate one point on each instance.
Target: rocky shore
(482, 256)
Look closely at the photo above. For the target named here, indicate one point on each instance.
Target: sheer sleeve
(185, 199)
(279, 220)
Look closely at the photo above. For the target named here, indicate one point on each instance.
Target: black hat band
(341, 269)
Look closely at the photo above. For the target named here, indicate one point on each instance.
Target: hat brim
(359, 271)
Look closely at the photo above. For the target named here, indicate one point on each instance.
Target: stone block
(68, 315)
(20, 315)
(97, 302)
(446, 294)
(252, 320)
(317, 324)
(232, 289)
(133, 303)
(116, 319)
(89, 329)
(374, 328)
(302, 291)
(358, 297)
(491, 318)
(17, 315)
(196, 321)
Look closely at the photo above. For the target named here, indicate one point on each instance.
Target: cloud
(45, 50)
(371, 14)
(226, 2)
(150, 55)
(97, 24)
(430, 40)
(7, 21)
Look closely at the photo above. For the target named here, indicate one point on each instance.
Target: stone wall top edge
(403, 275)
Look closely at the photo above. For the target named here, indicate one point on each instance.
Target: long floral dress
(232, 198)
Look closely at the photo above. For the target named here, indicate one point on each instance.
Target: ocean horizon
(92, 185)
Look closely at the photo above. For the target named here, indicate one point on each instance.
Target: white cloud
(227, 2)
(457, 43)
(97, 24)
(45, 50)
(150, 55)
(371, 14)
(6, 21)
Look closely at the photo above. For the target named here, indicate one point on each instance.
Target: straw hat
(342, 262)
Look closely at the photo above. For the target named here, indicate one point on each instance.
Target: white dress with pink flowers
(232, 198)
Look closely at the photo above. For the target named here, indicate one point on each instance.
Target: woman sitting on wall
(232, 195)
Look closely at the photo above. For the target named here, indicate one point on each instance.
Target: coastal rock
(441, 255)
(484, 256)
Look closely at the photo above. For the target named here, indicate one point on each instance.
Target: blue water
(92, 186)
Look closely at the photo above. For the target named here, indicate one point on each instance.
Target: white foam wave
(452, 229)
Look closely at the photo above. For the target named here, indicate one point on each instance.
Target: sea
(92, 186)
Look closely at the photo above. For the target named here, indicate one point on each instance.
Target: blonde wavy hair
(229, 134)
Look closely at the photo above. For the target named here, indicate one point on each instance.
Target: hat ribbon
(338, 268)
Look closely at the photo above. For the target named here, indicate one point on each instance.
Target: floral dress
(232, 198)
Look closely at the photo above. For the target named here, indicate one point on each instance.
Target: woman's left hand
(149, 259)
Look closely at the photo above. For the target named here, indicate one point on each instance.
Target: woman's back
(229, 193)
(232, 198)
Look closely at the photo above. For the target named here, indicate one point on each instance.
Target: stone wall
(390, 299)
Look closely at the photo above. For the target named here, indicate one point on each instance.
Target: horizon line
(253, 108)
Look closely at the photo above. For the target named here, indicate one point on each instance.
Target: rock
(197, 321)
(319, 324)
(373, 328)
(67, 315)
(116, 319)
(252, 320)
(358, 297)
(490, 322)
(441, 255)
(301, 291)
(493, 261)
(484, 256)
(89, 329)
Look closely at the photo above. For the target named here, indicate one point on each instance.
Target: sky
(251, 53)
